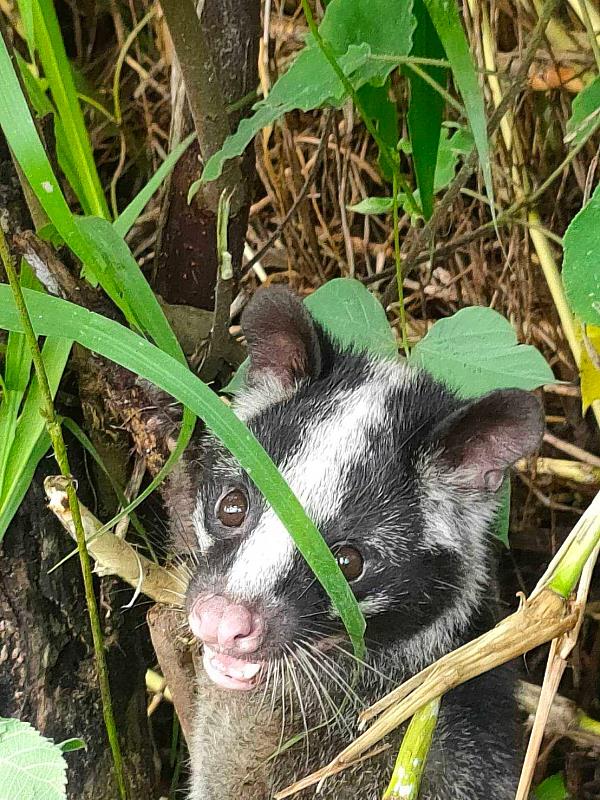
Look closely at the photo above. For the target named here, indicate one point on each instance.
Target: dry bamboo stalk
(562, 468)
(536, 622)
(114, 555)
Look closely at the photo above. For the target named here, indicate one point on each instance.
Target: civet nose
(228, 626)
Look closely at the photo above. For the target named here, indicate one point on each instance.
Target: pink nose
(229, 626)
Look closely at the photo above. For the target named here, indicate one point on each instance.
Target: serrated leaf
(446, 20)
(31, 766)
(355, 32)
(585, 113)
(588, 371)
(476, 351)
(425, 108)
(581, 262)
(350, 314)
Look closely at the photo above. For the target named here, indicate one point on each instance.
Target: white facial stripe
(330, 448)
(204, 539)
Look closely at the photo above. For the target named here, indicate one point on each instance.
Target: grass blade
(426, 107)
(50, 315)
(129, 215)
(448, 26)
(57, 69)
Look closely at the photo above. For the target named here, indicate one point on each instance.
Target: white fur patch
(329, 449)
(205, 540)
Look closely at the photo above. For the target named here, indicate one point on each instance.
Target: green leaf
(581, 262)
(502, 521)
(446, 20)
(124, 282)
(426, 107)
(476, 351)
(358, 38)
(31, 766)
(381, 109)
(129, 215)
(21, 482)
(585, 113)
(29, 441)
(553, 788)
(349, 313)
(69, 745)
(51, 315)
(449, 152)
(374, 205)
(57, 70)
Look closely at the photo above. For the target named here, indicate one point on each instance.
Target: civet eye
(350, 562)
(232, 508)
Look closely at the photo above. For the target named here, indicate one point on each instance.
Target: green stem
(60, 453)
(412, 756)
(389, 152)
(398, 259)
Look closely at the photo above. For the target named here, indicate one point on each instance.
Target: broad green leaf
(57, 69)
(51, 316)
(476, 351)
(447, 23)
(581, 262)
(349, 313)
(588, 371)
(553, 788)
(129, 215)
(585, 113)
(426, 107)
(365, 50)
(31, 766)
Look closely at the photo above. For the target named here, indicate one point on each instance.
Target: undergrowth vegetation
(422, 167)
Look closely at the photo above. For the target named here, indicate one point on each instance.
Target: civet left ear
(281, 336)
(481, 440)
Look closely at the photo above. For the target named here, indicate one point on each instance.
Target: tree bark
(47, 669)
(186, 264)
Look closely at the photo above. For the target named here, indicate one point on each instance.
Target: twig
(60, 453)
(255, 259)
(113, 555)
(572, 450)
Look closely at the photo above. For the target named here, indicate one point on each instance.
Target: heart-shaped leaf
(476, 351)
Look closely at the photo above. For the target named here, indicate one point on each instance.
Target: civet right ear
(281, 336)
(481, 440)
